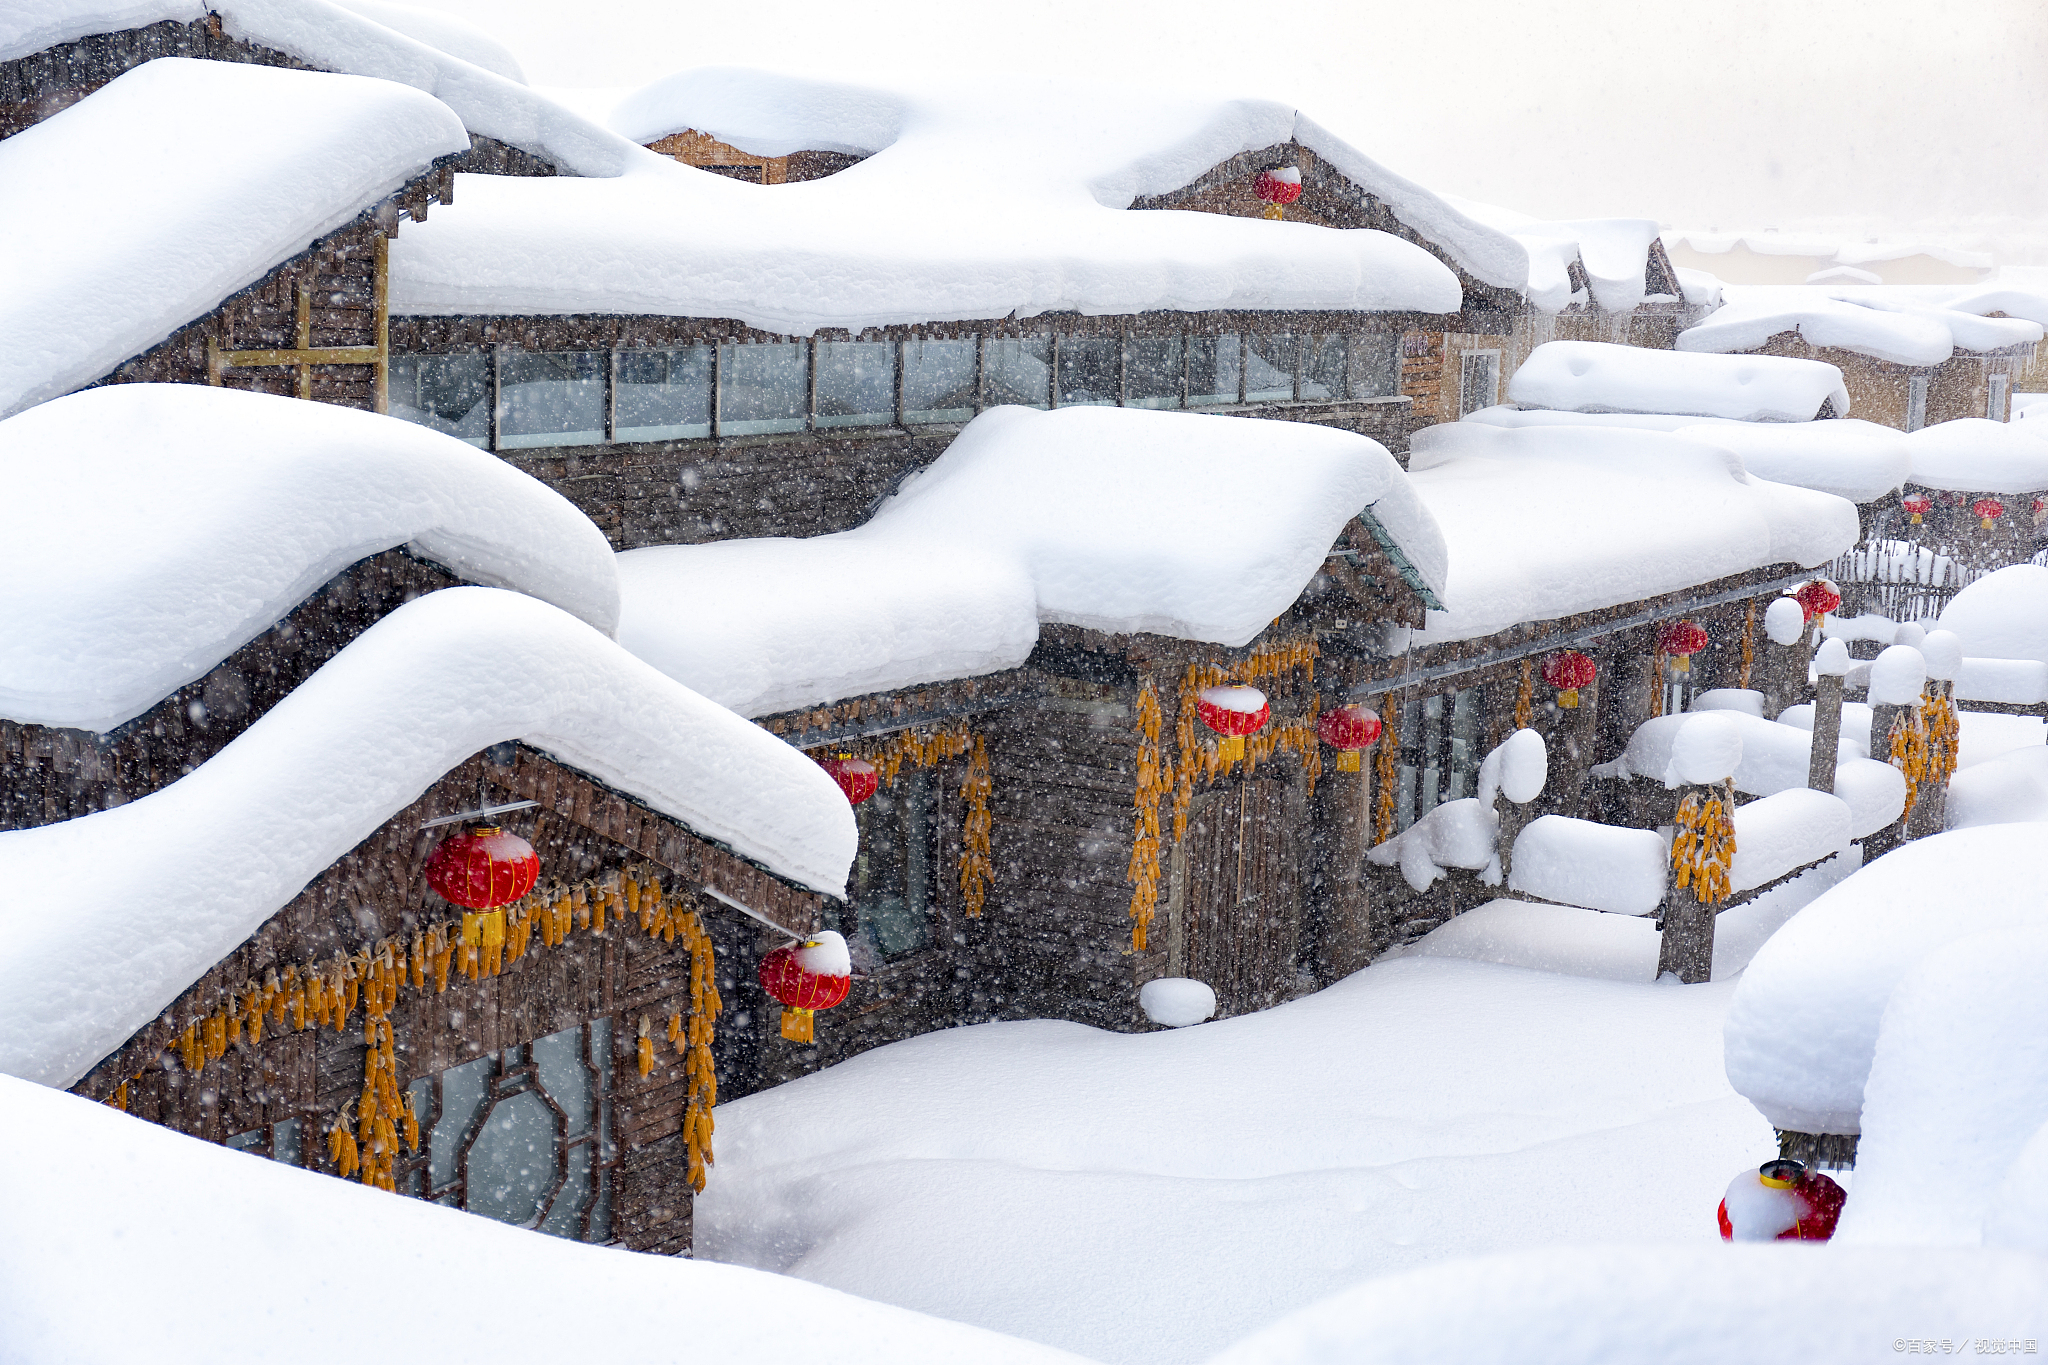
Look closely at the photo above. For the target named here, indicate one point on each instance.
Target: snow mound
(1623, 1305)
(209, 858)
(1177, 1001)
(1784, 621)
(2019, 1210)
(1543, 522)
(1775, 834)
(163, 218)
(2020, 682)
(1107, 518)
(966, 209)
(1454, 834)
(1853, 459)
(1747, 700)
(1898, 676)
(1705, 749)
(2003, 790)
(1614, 253)
(1600, 867)
(445, 32)
(72, 1220)
(1975, 455)
(1593, 376)
(2003, 615)
(1517, 769)
(273, 497)
(1803, 1024)
(1958, 1084)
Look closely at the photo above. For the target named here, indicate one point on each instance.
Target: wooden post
(1827, 732)
(1687, 948)
(1930, 807)
(1347, 929)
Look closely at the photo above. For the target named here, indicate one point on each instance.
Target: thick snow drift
(162, 217)
(1804, 1022)
(1600, 867)
(211, 857)
(1623, 1305)
(1110, 518)
(1958, 1084)
(2003, 615)
(1975, 455)
(1544, 522)
(2009, 788)
(1592, 376)
(967, 208)
(427, 50)
(1614, 253)
(98, 1198)
(271, 498)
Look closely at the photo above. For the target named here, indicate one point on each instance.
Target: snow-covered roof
(1594, 376)
(128, 215)
(1768, 243)
(968, 207)
(156, 891)
(1614, 253)
(1542, 522)
(266, 499)
(1118, 519)
(1803, 1024)
(1851, 458)
(429, 51)
(94, 1197)
(2003, 615)
(1894, 325)
(1976, 455)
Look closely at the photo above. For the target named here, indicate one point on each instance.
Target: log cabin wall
(34, 87)
(605, 986)
(49, 774)
(1882, 392)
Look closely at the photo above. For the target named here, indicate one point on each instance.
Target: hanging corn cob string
(977, 867)
(1943, 729)
(1748, 643)
(698, 1034)
(1154, 779)
(1525, 696)
(1910, 753)
(1703, 845)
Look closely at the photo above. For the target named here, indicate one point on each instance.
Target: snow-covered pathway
(1152, 1198)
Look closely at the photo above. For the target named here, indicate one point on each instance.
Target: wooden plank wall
(49, 774)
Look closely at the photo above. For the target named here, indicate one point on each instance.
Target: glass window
(938, 381)
(1432, 755)
(1088, 371)
(1468, 713)
(664, 395)
(450, 393)
(1376, 365)
(1324, 373)
(763, 388)
(1019, 371)
(511, 1167)
(891, 890)
(550, 398)
(1269, 368)
(1214, 370)
(856, 383)
(1409, 741)
(1152, 372)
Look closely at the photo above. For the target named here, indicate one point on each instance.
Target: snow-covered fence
(1467, 833)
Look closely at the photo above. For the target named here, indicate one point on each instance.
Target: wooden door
(1243, 925)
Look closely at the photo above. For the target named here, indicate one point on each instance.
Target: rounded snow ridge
(765, 113)
(1977, 455)
(1897, 676)
(273, 497)
(1594, 376)
(2003, 615)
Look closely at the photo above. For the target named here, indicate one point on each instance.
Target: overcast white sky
(1855, 117)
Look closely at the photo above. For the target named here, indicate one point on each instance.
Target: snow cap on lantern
(1988, 510)
(856, 776)
(807, 977)
(1818, 598)
(482, 868)
(1569, 672)
(1919, 504)
(1785, 621)
(1349, 729)
(1780, 1201)
(1233, 712)
(1681, 640)
(1897, 676)
(1278, 188)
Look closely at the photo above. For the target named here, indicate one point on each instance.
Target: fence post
(1830, 663)
(1701, 852)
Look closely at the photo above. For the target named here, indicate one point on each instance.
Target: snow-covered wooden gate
(1242, 913)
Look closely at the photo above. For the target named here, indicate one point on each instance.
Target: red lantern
(856, 777)
(1569, 671)
(1278, 188)
(1233, 712)
(483, 868)
(1348, 729)
(1782, 1201)
(1919, 504)
(806, 977)
(1681, 640)
(1988, 510)
(1817, 598)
